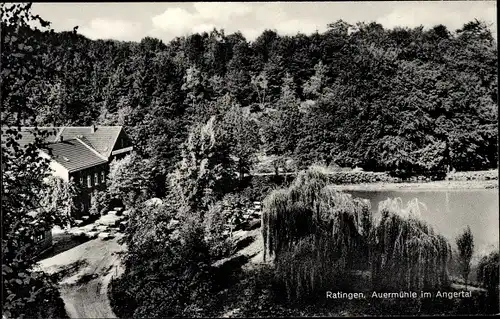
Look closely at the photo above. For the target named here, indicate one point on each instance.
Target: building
(81, 154)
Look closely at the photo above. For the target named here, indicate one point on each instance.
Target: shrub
(99, 202)
(120, 298)
(168, 277)
(216, 229)
(46, 303)
(168, 265)
(487, 275)
(221, 220)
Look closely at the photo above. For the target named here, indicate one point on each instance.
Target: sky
(166, 20)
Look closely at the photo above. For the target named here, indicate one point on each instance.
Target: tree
(405, 251)
(275, 72)
(465, 245)
(99, 202)
(243, 137)
(130, 179)
(53, 113)
(435, 91)
(168, 267)
(313, 233)
(59, 197)
(260, 85)
(206, 170)
(25, 292)
(238, 79)
(313, 88)
(281, 126)
(221, 220)
(488, 275)
(193, 86)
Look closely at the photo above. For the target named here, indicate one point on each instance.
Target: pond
(450, 211)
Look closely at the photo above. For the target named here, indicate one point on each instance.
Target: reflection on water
(449, 211)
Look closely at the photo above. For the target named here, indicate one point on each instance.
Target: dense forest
(356, 95)
(200, 109)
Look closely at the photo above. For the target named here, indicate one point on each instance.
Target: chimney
(92, 128)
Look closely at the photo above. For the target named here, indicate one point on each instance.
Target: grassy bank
(260, 184)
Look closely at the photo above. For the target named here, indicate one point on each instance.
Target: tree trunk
(240, 169)
(284, 171)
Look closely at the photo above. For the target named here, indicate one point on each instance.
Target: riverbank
(259, 185)
(423, 186)
(251, 294)
(351, 177)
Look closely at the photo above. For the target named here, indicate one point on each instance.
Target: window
(103, 177)
(89, 181)
(96, 178)
(39, 237)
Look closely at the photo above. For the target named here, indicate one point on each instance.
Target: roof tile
(102, 139)
(69, 146)
(74, 155)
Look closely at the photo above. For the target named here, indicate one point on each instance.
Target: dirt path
(84, 275)
(254, 252)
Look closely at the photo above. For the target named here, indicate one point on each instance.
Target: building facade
(81, 154)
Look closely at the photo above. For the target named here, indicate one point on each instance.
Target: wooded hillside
(381, 99)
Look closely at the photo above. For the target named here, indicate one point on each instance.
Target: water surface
(450, 211)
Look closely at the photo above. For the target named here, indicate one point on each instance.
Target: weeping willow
(316, 236)
(406, 252)
(314, 233)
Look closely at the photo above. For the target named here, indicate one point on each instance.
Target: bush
(47, 303)
(221, 220)
(474, 175)
(120, 299)
(99, 202)
(487, 275)
(172, 279)
(257, 187)
(168, 266)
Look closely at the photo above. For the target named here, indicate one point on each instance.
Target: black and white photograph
(249, 159)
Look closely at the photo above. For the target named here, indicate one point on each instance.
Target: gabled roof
(74, 155)
(100, 138)
(103, 138)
